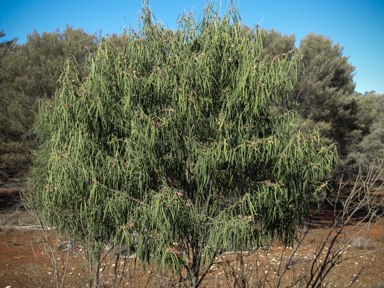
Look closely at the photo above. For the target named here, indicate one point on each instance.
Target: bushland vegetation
(29, 73)
(179, 144)
(324, 95)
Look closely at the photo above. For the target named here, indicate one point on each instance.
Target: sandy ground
(24, 261)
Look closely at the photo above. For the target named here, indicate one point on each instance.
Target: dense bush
(171, 139)
(30, 72)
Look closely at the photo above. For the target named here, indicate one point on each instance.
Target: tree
(169, 146)
(40, 61)
(274, 43)
(324, 90)
(370, 146)
(30, 72)
(14, 117)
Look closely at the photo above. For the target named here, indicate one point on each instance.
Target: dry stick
(357, 276)
(31, 227)
(382, 233)
(37, 268)
(281, 263)
(149, 278)
(358, 233)
(217, 281)
(50, 251)
(336, 255)
(290, 260)
(106, 254)
(65, 269)
(371, 214)
(207, 269)
(321, 269)
(52, 258)
(89, 256)
(122, 268)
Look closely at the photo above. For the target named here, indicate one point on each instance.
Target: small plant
(363, 243)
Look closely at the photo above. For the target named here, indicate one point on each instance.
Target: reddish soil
(24, 261)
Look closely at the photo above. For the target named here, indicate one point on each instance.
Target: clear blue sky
(355, 24)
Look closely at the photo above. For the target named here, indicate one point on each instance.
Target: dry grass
(363, 243)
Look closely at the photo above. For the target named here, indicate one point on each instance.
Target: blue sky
(355, 24)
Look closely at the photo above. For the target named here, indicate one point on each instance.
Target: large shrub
(170, 140)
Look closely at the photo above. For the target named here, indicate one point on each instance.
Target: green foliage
(371, 145)
(14, 119)
(170, 140)
(324, 89)
(30, 72)
(274, 43)
(39, 62)
(326, 102)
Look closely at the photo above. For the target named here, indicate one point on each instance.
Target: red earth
(25, 261)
